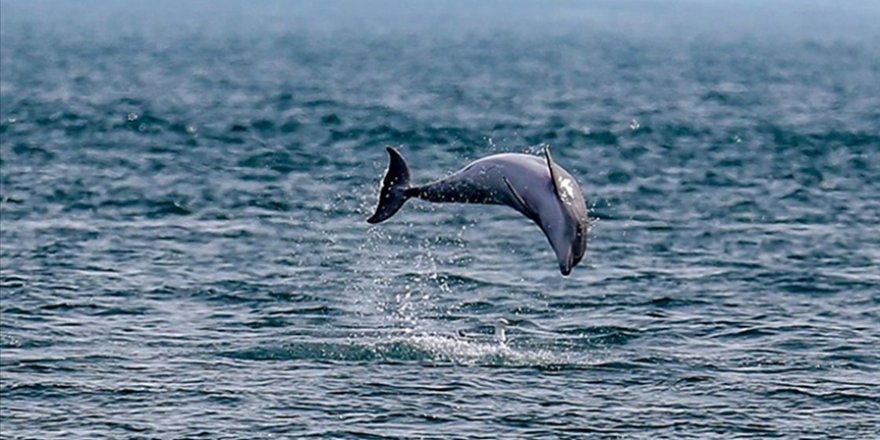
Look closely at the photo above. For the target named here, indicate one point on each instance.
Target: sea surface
(184, 251)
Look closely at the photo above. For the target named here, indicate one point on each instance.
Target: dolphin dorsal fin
(553, 176)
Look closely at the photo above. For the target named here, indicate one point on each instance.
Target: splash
(436, 349)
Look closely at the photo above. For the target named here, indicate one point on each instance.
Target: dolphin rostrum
(532, 185)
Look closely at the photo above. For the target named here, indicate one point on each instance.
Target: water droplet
(500, 334)
(634, 125)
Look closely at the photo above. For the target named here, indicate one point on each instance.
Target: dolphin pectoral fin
(521, 204)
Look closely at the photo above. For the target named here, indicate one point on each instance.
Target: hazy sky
(818, 20)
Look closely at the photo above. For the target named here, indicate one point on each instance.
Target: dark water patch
(617, 365)
(618, 177)
(853, 360)
(68, 306)
(319, 103)
(825, 398)
(333, 352)
(289, 126)
(11, 200)
(31, 151)
(658, 227)
(49, 391)
(599, 336)
(601, 137)
(238, 127)
(748, 333)
(813, 285)
(667, 302)
(230, 292)
(224, 139)
(285, 295)
(508, 127)
(263, 126)
(331, 119)
(125, 311)
(47, 365)
(694, 379)
(269, 322)
(318, 310)
(12, 282)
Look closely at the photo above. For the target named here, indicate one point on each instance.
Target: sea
(184, 252)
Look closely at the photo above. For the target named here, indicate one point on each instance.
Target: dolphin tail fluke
(393, 194)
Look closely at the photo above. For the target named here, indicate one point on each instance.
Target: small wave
(165, 208)
(435, 349)
(600, 335)
(27, 150)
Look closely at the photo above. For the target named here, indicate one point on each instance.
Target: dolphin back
(393, 194)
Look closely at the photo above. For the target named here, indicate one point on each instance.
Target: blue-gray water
(184, 251)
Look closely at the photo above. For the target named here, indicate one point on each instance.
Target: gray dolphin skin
(535, 186)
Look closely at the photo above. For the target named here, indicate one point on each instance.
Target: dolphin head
(564, 218)
(566, 228)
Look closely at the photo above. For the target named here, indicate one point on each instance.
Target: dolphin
(535, 186)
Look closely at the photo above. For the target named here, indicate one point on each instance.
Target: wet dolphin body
(535, 186)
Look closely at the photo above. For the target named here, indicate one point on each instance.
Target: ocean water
(184, 252)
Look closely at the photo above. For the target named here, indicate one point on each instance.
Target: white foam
(468, 351)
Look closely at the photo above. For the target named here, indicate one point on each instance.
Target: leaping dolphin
(534, 186)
